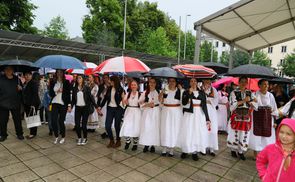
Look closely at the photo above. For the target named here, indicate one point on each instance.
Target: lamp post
(179, 35)
(185, 31)
(125, 15)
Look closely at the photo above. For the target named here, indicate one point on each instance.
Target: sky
(73, 11)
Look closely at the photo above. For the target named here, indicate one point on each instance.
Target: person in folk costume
(212, 103)
(288, 110)
(171, 115)
(113, 98)
(242, 103)
(131, 120)
(195, 123)
(82, 99)
(93, 117)
(150, 119)
(264, 99)
(222, 108)
(106, 83)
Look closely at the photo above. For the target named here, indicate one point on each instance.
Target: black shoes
(134, 148)
(195, 157)
(2, 139)
(242, 157)
(104, 135)
(212, 154)
(164, 154)
(170, 155)
(127, 146)
(145, 149)
(20, 137)
(183, 155)
(152, 150)
(234, 154)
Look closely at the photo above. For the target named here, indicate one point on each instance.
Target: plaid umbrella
(196, 71)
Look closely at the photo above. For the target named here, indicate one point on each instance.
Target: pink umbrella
(69, 77)
(121, 64)
(252, 82)
(90, 66)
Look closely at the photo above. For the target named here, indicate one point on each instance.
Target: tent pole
(231, 52)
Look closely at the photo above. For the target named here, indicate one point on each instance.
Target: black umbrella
(164, 72)
(135, 74)
(217, 67)
(251, 71)
(19, 65)
(281, 80)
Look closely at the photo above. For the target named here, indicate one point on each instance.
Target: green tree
(158, 43)
(56, 29)
(205, 52)
(239, 58)
(261, 58)
(288, 65)
(17, 15)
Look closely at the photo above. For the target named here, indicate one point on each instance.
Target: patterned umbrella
(196, 71)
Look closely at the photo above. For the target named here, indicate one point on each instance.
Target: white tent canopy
(252, 24)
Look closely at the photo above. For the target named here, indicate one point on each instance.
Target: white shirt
(113, 101)
(58, 95)
(80, 99)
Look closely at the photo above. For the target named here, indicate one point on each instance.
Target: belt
(196, 105)
(222, 103)
(156, 105)
(171, 105)
(133, 106)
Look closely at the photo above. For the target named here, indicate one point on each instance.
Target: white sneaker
(79, 142)
(84, 141)
(55, 141)
(62, 141)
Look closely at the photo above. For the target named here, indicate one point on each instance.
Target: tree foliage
(56, 29)
(261, 58)
(239, 58)
(206, 51)
(288, 65)
(17, 15)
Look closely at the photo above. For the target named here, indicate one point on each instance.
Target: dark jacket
(88, 98)
(66, 92)
(100, 90)
(202, 96)
(107, 98)
(31, 94)
(10, 97)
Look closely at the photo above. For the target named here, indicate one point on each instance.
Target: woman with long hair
(83, 100)
(193, 134)
(60, 92)
(150, 120)
(113, 97)
(222, 108)
(93, 117)
(131, 122)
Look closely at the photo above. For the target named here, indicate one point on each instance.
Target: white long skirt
(150, 127)
(193, 135)
(102, 119)
(70, 117)
(170, 126)
(222, 117)
(93, 120)
(213, 134)
(131, 123)
(258, 143)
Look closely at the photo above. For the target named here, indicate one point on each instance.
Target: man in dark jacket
(10, 101)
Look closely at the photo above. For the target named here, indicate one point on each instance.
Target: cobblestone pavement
(40, 160)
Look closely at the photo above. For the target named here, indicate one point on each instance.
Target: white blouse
(58, 95)
(80, 99)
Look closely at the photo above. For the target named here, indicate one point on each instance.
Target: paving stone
(38, 162)
(29, 155)
(215, 169)
(237, 175)
(64, 176)
(71, 162)
(170, 176)
(51, 150)
(83, 170)
(60, 156)
(166, 162)
(224, 161)
(148, 156)
(98, 176)
(134, 176)
(102, 163)
(118, 156)
(90, 156)
(248, 166)
(6, 158)
(12, 169)
(133, 162)
(197, 164)
(47, 170)
(203, 176)
(117, 169)
(184, 169)
(151, 169)
(25, 176)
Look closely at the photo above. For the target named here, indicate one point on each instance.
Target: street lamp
(179, 35)
(184, 49)
(124, 36)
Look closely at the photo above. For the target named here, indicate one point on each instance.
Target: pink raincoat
(270, 161)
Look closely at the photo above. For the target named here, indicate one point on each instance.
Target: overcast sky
(74, 10)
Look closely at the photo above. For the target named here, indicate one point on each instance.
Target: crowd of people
(172, 115)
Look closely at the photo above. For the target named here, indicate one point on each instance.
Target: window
(270, 61)
(282, 61)
(223, 44)
(284, 49)
(216, 44)
(270, 49)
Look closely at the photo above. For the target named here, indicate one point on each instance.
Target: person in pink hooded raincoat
(276, 162)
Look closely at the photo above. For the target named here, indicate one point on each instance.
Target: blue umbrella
(59, 62)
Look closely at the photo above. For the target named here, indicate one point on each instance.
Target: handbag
(262, 122)
(32, 120)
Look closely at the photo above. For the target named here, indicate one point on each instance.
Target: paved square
(40, 160)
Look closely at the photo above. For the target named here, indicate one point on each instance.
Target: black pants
(58, 116)
(29, 112)
(81, 113)
(114, 113)
(42, 114)
(16, 116)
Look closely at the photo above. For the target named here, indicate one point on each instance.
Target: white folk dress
(93, 118)
(222, 111)
(193, 134)
(286, 108)
(258, 143)
(212, 102)
(102, 119)
(150, 121)
(132, 116)
(170, 120)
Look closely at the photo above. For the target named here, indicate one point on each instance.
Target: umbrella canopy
(89, 69)
(252, 82)
(135, 74)
(19, 65)
(196, 71)
(251, 71)
(121, 64)
(59, 62)
(281, 80)
(164, 72)
(217, 67)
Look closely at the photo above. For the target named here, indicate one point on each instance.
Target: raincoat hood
(289, 122)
